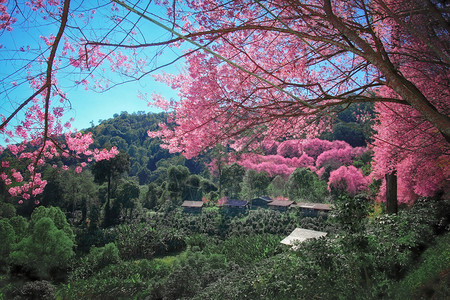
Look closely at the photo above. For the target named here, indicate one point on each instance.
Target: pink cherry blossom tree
(349, 179)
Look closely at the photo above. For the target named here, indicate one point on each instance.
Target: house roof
(301, 235)
(267, 199)
(192, 204)
(281, 203)
(235, 203)
(317, 206)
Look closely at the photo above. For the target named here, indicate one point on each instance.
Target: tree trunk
(391, 193)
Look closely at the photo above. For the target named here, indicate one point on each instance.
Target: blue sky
(85, 106)
(90, 106)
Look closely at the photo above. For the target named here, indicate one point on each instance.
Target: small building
(192, 206)
(300, 235)
(281, 205)
(314, 209)
(234, 206)
(260, 202)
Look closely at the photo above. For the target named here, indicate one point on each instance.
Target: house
(314, 209)
(192, 206)
(260, 202)
(234, 206)
(281, 205)
(300, 235)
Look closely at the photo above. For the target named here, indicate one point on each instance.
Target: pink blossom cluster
(275, 164)
(30, 189)
(77, 146)
(315, 147)
(349, 179)
(6, 20)
(294, 155)
(343, 156)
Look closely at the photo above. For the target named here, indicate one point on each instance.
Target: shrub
(45, 250)
(97, 259)
(125, 280)
(192, 274)
(247, 249)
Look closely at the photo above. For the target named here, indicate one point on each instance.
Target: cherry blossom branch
(18, 109)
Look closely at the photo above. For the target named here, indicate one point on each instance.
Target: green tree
(127, 193)
(20, 226)
(56, 215)
(7, 210)
(109, 169)
(304, 185)
(152, 196)
(176, 180)
(254, 184)
(46, 250)
(232, 177)
(192, 189)
(7, 238)
(277, 187)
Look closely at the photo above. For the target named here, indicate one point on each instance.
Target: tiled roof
(282, 203)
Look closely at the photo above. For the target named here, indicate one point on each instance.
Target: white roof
(301, 235)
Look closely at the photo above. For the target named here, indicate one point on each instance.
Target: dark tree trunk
(391, 193)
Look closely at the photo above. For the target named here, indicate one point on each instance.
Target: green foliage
(247, 249)
(176, 184)
(108, 169)
(277, 187)
(86, 238)
(125, 280)
(56, 215)
(353, 124)
(46, 249)
(69, 190)
(135, 241)
(7, 210)
(127, 195)
(207, 186)
(364, 162)
(431, 278)
(20, 226)
(231, 178)
(152, 196)
(97, 259)
(7, 238)
(192, 190)
(142, 241)
(193, 273)
(254, 184)
(304, 185)
(361, 264)
(350, 213)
